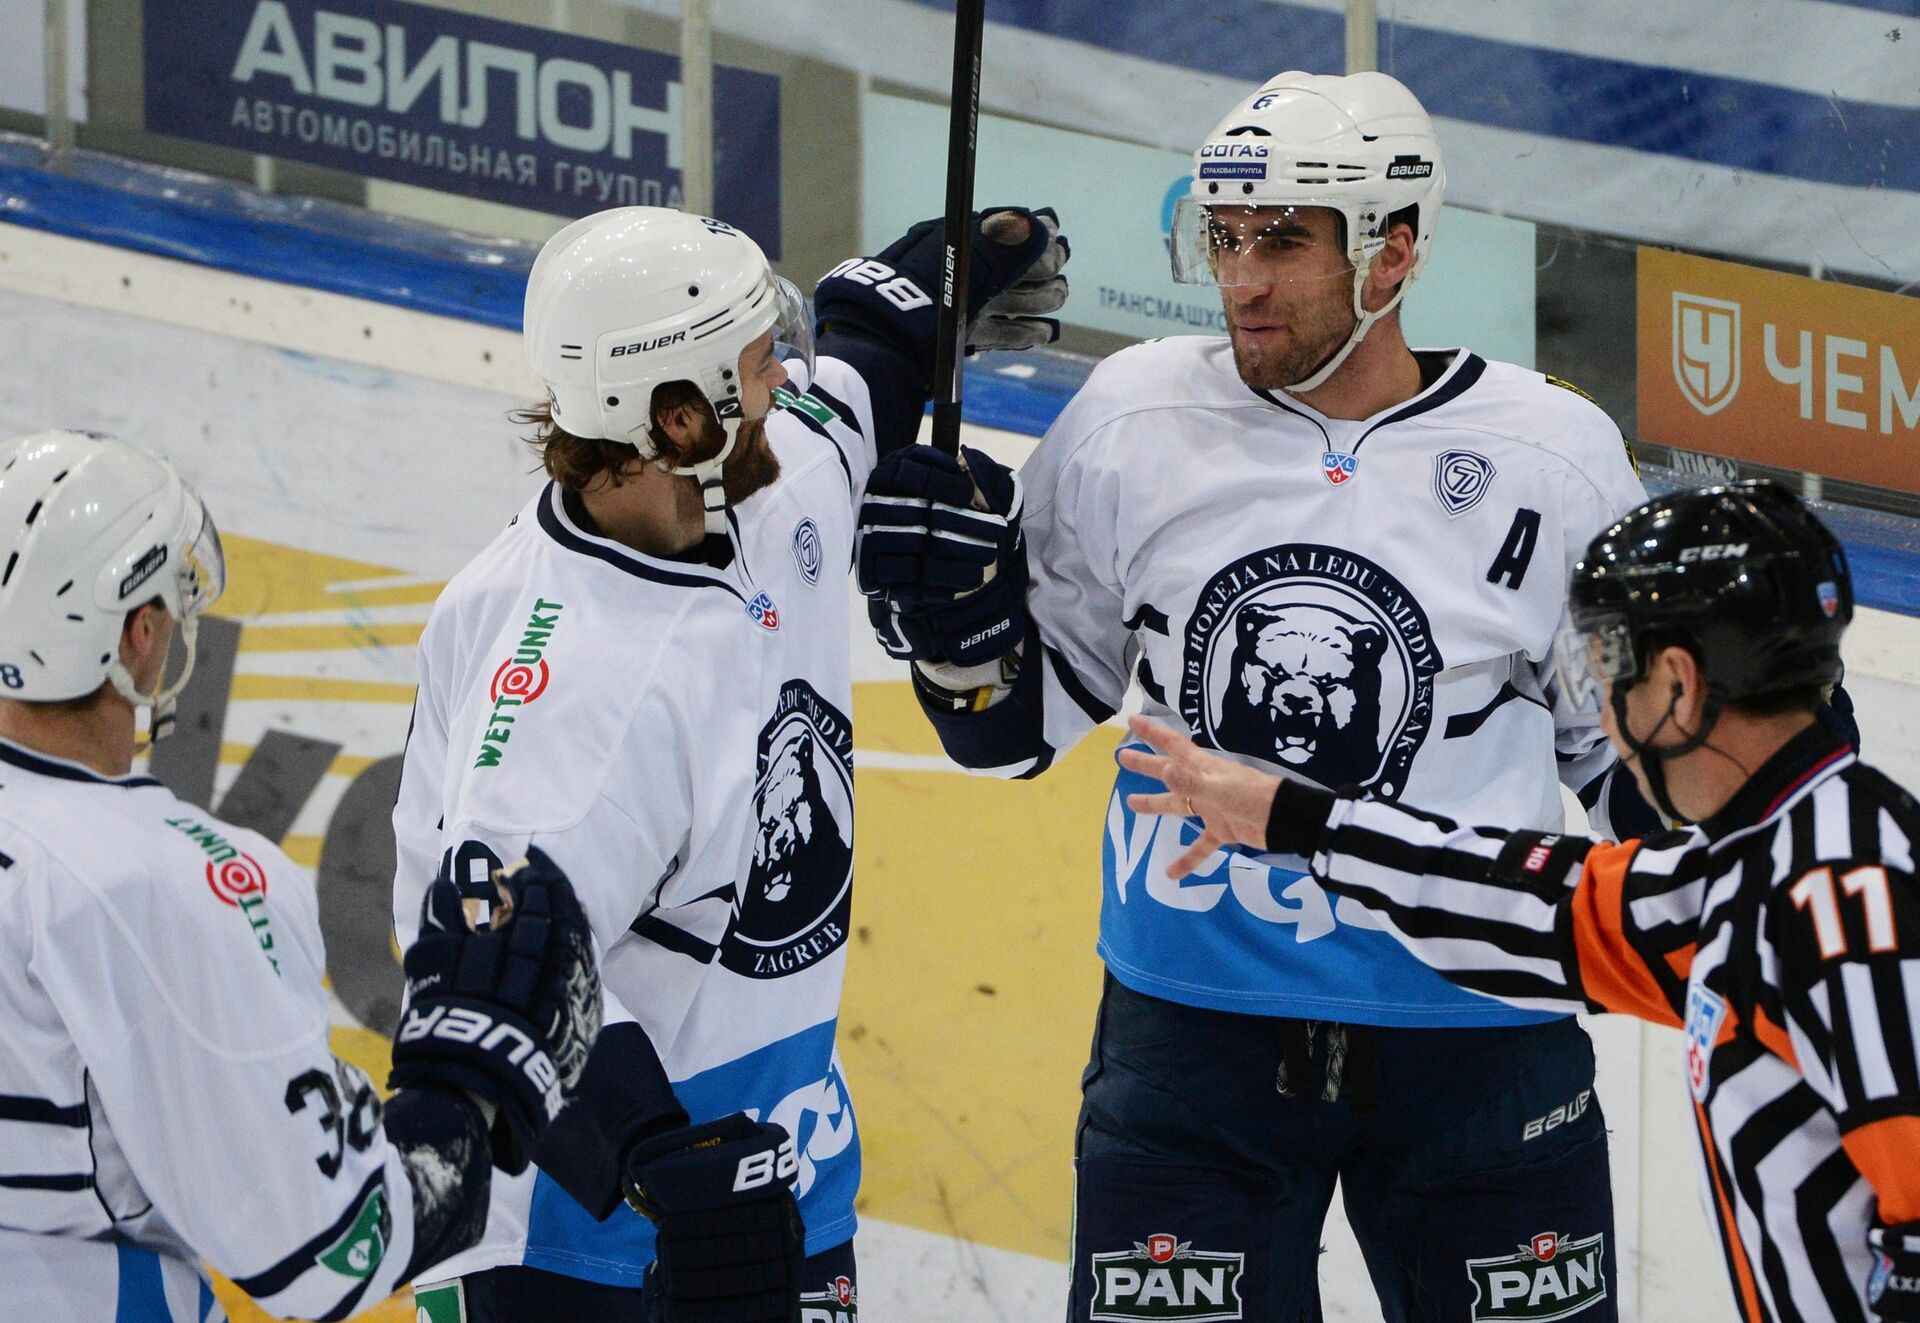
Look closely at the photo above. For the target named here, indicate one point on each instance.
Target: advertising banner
(1116, 204)
(513, 114)
(1779, 369)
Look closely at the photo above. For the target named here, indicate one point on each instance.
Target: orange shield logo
(1706, 350)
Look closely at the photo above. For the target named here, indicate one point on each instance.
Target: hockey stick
(963, 125)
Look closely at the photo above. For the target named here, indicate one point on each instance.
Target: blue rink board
(346, 250)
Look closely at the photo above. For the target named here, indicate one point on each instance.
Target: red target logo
(234, 879)
(519, 681)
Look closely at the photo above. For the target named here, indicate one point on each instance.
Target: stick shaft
(963, 128)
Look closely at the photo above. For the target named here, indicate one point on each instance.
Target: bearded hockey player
(647, 676)
(167, 1094)
(1777, 932)
(1322, 551)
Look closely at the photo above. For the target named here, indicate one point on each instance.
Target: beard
(1315, 330)
(751, 467)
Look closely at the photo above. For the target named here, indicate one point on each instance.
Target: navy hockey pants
(533, 1295)
(1473, 1165)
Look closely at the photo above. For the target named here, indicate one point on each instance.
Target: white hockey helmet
(625, 300)
(92, 527)
(1359, 145)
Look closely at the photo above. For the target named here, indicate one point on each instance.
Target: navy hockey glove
(728, 1237)
(1893, 1290)
(1015, 281)
(508, 1014)
(945, 581)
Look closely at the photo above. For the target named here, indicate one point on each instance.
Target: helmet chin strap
(1363, 322)
(1653, 761)
(709, 473)
(160, 703)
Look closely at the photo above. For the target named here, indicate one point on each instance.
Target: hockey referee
(1780, 930)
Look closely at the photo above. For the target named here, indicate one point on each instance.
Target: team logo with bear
(1314, 659)
(799, 890)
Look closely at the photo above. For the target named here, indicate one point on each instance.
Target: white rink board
(370, 463)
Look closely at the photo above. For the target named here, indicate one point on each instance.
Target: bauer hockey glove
(1893, 1289)
(1014, 282)
(508, 1014)
(728, 1237)
(945, 580)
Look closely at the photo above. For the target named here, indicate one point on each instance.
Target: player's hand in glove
(507, 1014)
(945, 580)
(1017, 317)
(728, 1237)
(1014, 283)
(1893, 1289)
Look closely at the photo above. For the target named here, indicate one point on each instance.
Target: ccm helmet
(1359, 145)
(626, 300)
(90, 528)
(1744, 576)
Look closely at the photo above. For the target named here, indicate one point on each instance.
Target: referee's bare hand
(1231, 801)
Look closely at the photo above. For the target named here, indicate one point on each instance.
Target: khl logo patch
(1338, 465)
(1705, 1012)
(1166, 1278)
(1460, 479)
(761, 611)
(1551, 1277)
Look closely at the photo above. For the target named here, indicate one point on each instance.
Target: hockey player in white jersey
(647, 675)
(1319, 550)
(167, 1094)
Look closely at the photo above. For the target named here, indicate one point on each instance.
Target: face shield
(199, 578)
(792, 328)
(202, 573)
(1235, 245)
(1590, 659)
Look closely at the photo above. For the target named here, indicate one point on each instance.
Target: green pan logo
(1551, 1277)
(1166, 1278)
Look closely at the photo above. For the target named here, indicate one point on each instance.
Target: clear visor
(792, 326)
(1588, 660)
(1234, 244)
(202, 573)
(788, 341)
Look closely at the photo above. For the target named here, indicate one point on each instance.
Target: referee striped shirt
(1782, 935)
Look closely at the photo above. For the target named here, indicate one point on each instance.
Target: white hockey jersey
(678, 738)
(167, 1094)
(1369, 602)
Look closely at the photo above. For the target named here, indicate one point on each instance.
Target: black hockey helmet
(1744, 575)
